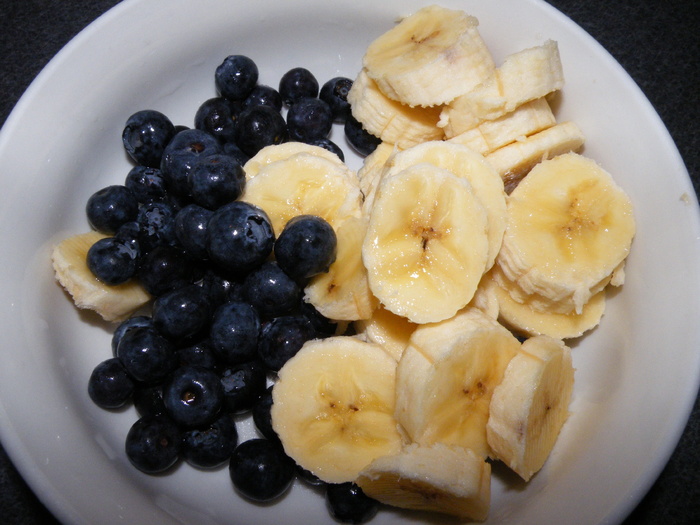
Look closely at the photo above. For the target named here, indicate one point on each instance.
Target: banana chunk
(530, 406)
(387, 329)
(283, 151)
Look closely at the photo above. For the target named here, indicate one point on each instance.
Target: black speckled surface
(656, 41)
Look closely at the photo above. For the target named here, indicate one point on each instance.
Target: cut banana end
(411, 61)
(333, 407)
(436, 478)
(446, 376)
(530, 406)
(112, 303)
(283, 151)
(426, 246)
(387, 329)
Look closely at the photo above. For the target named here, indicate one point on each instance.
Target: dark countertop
(656, 41)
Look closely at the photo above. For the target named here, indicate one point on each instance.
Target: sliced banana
(387, 329)
(426, 246)
(438, 478)
(530, 406)
(373, 165)
(283, 151)
(112, 303)
(342, 293)
(446, 376)
(411, 62)
(333, 407)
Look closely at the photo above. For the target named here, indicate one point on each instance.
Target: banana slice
(283, 151)
(530, 406)
(437, 478)
(446, 376)
(112, 303)
(390, 120)
(305, 184)
(569, 227)
(342, 293)
(411, 62)
(333, 407)
(388, 330)
(373, 165)
(426, 246)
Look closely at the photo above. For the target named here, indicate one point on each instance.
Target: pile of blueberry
(227, 310)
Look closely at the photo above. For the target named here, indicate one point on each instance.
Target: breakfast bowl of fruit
(338, 263)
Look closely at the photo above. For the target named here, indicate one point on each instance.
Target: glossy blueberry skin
(234, 332)
(193, 396)
(107, 209)
(199, 354)
(347, 503)
(271, 291)
(309, 119)
(232, 150)
(156, 225)
(214, 116)
(360, 139)
(185, 149)
(216, 180)
(329, 145)
(261, 415)
(263, 95)
(297, 83)
(147, 356)
(260, 470)
(260, 126)
(113, 261)
(335, 93)
(182, 313)
(166, 268)
(148, 400)
(147, 184)
(129, 233)
(323, 326)
(220, 287)
(307, 246)
(138, 321)
(282, 338)
(236, 76)
(191, 230)
(110, 386)
(243, 384)
(212, 445)
(153, 444)
(145, 136)
(240, 237)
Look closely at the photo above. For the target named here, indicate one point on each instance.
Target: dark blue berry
(236, 76)
(297, 83)
(182, 313)
(191, 230)
(145, 136)
(199, 354)
(329, 145)
(232, 150)
(271, 291)
(221, 288)
(260, 126)
(214, 116)
(282, 338)
(183, 152)
(107, 209)
(323, 326)
(129, 234)
(240, 237)
(307, 246)
(166, 268)
(335, 94)
(263, 95)
(147, 356)
(193, 396)
(260, 470)
(138, 321)
(243, 384)
(148, 400)
(216, 180)
(234, 332)
(110, 386)
(153, 444)
(347, 503)
(261, 414)
(156, 225)
(147, 184)
(212, 445)
(309, 477)
(309, 119)
(359, 138)
(113, 261)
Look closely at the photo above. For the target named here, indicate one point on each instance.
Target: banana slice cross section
(275, 152)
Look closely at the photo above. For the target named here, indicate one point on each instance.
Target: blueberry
(148, 400)
(112, 261)
(261, 414)
(335, 93)
(309, 119)
(260, 470)
(216, 180)
(182, 313)
(236, 76)
(329, 145)
(232, 150)
(234, 332)
(199, 354)
(221, 288)
(145, 136)
(271, 291)
(191, 230)
(166, 268)
(147, 184)
(214, 116)
(107, 209)
(359, 138)
(156, 225)
(122, 328)
(110, 386)
(282, 338)
(260, 126)
(212, 445)
(323, 326)
(243, 384)
(309, 477)
(186, 148)
(297, 83)
(307, 246)
(153, 444)
(193, 396)
(240, 237)
(263, 95)
(129, 233)
(347, 503)
(147, 356)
